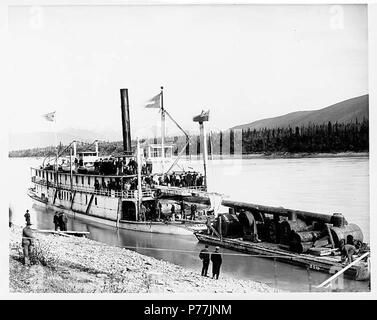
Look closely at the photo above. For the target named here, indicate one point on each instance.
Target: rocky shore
(79, 265)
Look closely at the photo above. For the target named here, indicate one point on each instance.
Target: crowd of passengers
(114, 166)
(186, 179)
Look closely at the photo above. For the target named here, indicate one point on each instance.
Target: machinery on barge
(306, 239)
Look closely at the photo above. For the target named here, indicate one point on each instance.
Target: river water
(324, 185)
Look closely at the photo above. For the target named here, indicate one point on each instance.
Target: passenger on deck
(65, 221)
(158, 210)
(56, 220)
(96, 185)
(183, 210)
(193, 209)
(209, 226)
(96, 166)
(143, 211)
(172, 210)
(60, 221)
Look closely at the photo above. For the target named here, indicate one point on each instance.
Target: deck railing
(127, 194)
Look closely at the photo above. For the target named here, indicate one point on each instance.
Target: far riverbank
(287, 155)
(262, 155)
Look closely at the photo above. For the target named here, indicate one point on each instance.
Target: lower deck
(108, 210)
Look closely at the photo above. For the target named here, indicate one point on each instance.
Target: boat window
(77, 180)
(82, 180)
(95, 200)
(65, 177)
(89, 181)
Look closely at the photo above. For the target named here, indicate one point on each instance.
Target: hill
(343, 112)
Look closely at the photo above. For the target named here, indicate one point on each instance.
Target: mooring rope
(172, 250)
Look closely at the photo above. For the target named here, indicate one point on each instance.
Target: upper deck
(110, 185)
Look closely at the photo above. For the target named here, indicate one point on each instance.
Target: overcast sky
(244, 63)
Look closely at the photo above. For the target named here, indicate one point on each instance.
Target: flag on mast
(50, 116)
(155, 102)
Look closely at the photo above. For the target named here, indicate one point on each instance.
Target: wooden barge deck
(327, 264)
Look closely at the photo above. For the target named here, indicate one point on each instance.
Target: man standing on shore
(216, 263)
(204, 256)
(27, 242)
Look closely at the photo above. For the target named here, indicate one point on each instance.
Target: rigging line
(187, 141)
(172, 250)
(176, 123)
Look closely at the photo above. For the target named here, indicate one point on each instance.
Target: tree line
(313, 138)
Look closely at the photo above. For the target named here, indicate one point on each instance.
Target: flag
(50, 116)
(154, 102)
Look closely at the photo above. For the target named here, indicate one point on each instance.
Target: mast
(203, 117)
(139, 190)
(205, 151)
(57, 155)
(70, 170)
(162, 131)
(126, 127)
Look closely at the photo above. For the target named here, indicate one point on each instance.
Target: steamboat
(120, 190)
(81, 189)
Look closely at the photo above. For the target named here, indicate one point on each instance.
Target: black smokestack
(126, 128)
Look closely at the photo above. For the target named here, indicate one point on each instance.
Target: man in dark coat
(56, 220)
(216, 263)
(27, 216)
(27, 242)
(204, 256)
(65, 221)
(61, 221)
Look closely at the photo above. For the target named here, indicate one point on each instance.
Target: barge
(306, 239)
(327, 264)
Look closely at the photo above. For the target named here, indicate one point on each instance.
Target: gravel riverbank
(80, 265)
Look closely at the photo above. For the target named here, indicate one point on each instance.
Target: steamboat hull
(329, 265)
(171, 227)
